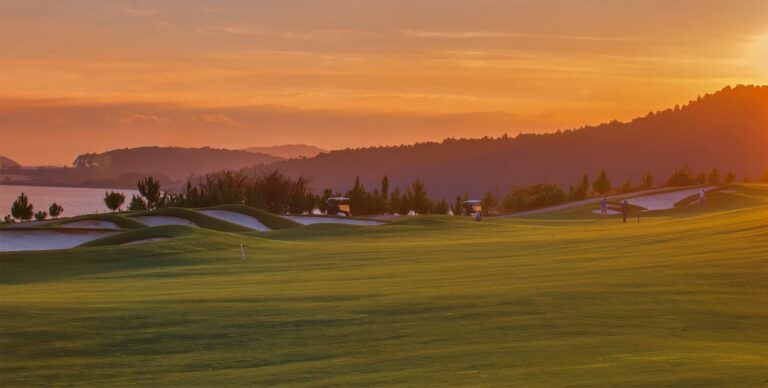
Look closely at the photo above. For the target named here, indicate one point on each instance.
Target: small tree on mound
(55, 210)
(114, 200)
(137, 204)
(41, 215)
(150, 189)
(22, 209)
(602, 184)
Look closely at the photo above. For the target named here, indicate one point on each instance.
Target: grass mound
(117, 219)
(269, 220)
(165, 231)
(199, 219)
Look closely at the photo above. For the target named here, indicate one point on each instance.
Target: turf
(163, 231)
(119, 220)
(198, 219)
(676, 300)
(269, 220)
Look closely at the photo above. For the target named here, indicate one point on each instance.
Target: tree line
(278, 193)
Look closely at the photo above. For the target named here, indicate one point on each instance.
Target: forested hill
(175, 162)
(288, 151)
(727, 130)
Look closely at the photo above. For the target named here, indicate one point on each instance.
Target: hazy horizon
(82, 77)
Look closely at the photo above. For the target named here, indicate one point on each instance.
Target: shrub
(137, 204)
(55, 210)
(41, 215)
(8, 219)
(533, 197)
(114, 200)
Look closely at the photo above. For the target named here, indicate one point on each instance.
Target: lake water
(75, 200)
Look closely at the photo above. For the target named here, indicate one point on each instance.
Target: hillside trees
(532, 197)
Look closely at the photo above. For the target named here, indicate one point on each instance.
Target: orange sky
(80, 76)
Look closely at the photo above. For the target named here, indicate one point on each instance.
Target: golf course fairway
(677, 299)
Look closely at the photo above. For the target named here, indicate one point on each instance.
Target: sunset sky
(89, 76)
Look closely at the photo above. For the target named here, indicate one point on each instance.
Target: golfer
(604, 206)
(625, 210)
(701, 197)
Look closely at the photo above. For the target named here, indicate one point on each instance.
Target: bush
(8, 219)
(114, 200)
(137, 204)
(55, 210)
(532, 197)
(41, 215)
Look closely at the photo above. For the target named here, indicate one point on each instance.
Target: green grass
(679, 299)
(163, 231)
(120, 220)
(269, 220)
(198, 219)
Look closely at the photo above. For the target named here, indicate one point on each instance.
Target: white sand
(330, 220)
(236, 218)
(146, 240)
(29, 224)
(91, 224)
(663, 201)
(164, 220)
(36, 240)
(610, 212)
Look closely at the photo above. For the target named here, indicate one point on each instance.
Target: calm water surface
(75, 200)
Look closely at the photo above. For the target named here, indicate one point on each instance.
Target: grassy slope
(163, 231)
(121, 221)
(421, 301)
(199, 219)
(269, 220)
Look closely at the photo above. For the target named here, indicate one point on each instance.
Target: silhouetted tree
(8, 219)
(440, 207)
(730, 177)
(150, 190)
(41, 215)
(602, 184)
(137, 204)
(626, 187)
(416, 198)
(532, 197)
(458, 206)
(385, 188)
(581, 191)
(682, 177)
(647, 180)
(701, 179)
(714, 177)
(396, 202)
(114, 200)
(22, 209)
(489, 203)
(55, 210)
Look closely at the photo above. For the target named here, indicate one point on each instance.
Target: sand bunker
(29, 224)
(164, 220)
(663, 201)
(91, 224)
(236, 218)
(610, 212)
(37, 240)
(146, 240)
(304, 220)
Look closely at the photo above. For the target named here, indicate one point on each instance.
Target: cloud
(219, 119)
(502, 34)
(251, 31)
(139, 12)
(143, 119)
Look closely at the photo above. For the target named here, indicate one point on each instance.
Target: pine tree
(114, 200)
(602, 184)
(55, 210)
(22, 209)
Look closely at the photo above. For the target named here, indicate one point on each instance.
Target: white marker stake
(242, 252)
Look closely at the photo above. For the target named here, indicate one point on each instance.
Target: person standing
(701, 198)
(625, 210)
(604, 207)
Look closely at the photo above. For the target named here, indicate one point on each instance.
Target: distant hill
(8, 164)
(727, 130)
(174, 162)
(122, 168)
(288, 151)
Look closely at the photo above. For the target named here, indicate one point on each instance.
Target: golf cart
(338, 206)
(473, 208)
